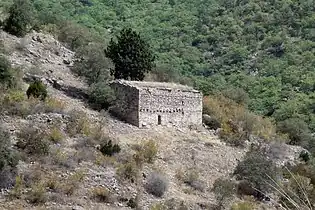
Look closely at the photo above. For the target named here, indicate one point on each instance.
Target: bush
(101, 194)
(157, 184)
(147, 151)
(297, 193)
(297, 131)
(109, 149)
(55, 135)
(14, 102)
(224, 190)
(20, 18)
(128, 170)
(257, 171)
(8, 157)
(8, 160)
(212, 123)
(101, 96)
(132, 203)
(237, 94)
(237, 123)
(75, 35)
(37, 195)
(191, 178)
(305, 156)
(33, 141)
(92, 64)
(37, 90)
(78, 124)
(73, 182)
(6, 75)
(53, 105)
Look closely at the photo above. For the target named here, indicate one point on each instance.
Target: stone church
(156, 103)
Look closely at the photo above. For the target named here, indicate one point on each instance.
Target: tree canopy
(131, 56)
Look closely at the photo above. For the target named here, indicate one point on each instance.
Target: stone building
(155, 103)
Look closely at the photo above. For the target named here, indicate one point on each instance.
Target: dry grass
(296, 194)
(237, 123)
(55, 135)
(244, 205)
(78, 124)
(37, 194)
(191, 178)
(101, 194)
(33, 141)
(73, 182)
(54, 105)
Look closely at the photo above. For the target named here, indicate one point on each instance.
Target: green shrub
(236, 94)
(128, 170)
(257, 170)
(157, 184)
(101, 95)
(92, 64)
(305, 156)
(146, 151)
(297, 130)
(8, 157)
(109, 149)
(191, 178)
(132, 203)
(74, 35)
(20, 18)
(37, 195)
(37, 90)
(56, 135)
(8, 160)
(224, 190)
(6, 75)
(33, 141)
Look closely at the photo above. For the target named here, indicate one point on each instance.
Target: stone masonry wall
(169, 107)
(127, 104)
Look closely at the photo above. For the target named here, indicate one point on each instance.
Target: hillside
(178, 149)
(265, 49)
(62, 148)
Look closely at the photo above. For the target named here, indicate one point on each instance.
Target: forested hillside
(61, 144)
(265, 48)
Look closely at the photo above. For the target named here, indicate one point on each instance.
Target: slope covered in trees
(265, 48)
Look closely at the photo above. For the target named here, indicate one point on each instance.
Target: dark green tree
(131, 56)
(37, 90)
(20, 18)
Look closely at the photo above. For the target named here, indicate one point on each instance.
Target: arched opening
(159, 120)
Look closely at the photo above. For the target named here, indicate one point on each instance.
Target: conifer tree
(131, 56)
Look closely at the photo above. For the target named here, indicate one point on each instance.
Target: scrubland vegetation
(253, 61)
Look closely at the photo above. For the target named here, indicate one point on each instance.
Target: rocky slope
(39, 55)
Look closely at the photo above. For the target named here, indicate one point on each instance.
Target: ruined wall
(169, 107)
(127, 104)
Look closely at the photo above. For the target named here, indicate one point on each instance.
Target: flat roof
(156, 85)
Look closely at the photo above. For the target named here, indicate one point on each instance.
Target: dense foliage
(20, 18)
(37, 90)
(263, 48)
(131, 56)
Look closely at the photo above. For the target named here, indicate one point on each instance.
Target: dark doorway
(159, 120)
